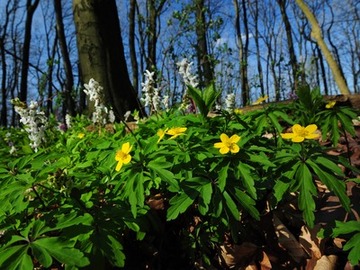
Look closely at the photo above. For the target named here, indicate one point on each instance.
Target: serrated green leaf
(327, 163)
(15, 258)
(345, 227)
(41, 254)
(332, 183)
(262, 159)
(245, 171)
(164, 174)
(307, 190)
(231, 205)
(113, 250)
(63, 251)
(205, 198)
(274, 121)
(248, 203)
(180, 203)
(222, 176)
(354, 246)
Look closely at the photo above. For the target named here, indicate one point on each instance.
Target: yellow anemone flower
(161, 133)
(260, 100)
(123, 156)
(300, 133)
(228, 144)
(330, 104)
(81, 135)
(175, 132)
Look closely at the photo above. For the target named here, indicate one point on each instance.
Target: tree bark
(30, 10)
(317, 35)
(101, 53)
(290, 44)
(133, 58)
(204, 61)
(243, 49)
(69, 103)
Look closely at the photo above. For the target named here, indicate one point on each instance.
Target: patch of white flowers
(230, 103)
(185, 70)
(34, 122)
(151, 94)
(101, 115)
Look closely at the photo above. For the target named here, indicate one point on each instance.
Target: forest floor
(285, 242)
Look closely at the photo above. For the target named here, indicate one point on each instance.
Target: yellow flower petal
(218, 145)
(234, 148)
(234, 138)
(118, 166)
(311, 128)
(224, 150)
(224, 137)
(126, 148)
(287, 135)
(297, 139)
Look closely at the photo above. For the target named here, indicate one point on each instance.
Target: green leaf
(231, 205)
(180, 203)
(332, 183)
(205, 198)
(164, 174)
(15, 258)
(223, 173)
(245, 171)
(354, 246)
(307, 190)
(248, 203)
(113, 250)
(195, 94)
(345, 227)
(41, 254)
(63, 251)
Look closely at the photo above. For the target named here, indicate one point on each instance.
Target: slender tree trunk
(133, 58)
(243, 49)
(317, 35)
(69, 103)
(30, 10)
(290, 44)
(204, 61)
(101, 52)
(257, 45)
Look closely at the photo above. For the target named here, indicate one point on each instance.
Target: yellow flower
(330, 104)
(260, 100)
(228, 144)
(238, 111)
(122, 156)
(161, 133)
(81, 135)
(176, 131)
(300, 133)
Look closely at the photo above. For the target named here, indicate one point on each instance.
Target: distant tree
(101, 52)
(69, 103)
(316, 33)
(30, 10)
(242, 38)
(290, 44)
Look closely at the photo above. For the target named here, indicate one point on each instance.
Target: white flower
(68, 120)
(101, 115)
(185, 71)
(230, 102)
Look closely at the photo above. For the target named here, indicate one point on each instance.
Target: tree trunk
(69, 103)
(30, 10)
(101, 53)
(134, 63)
(243, 50)
(290, 43)
(317, 35)
(204, 61)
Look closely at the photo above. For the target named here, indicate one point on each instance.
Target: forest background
(247, 47)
